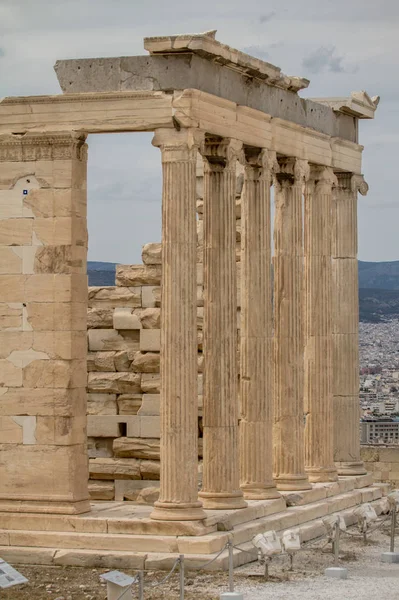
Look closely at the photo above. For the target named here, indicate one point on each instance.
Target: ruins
(202, 351)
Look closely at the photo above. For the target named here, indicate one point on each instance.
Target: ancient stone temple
(228, 359)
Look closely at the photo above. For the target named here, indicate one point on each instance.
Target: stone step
(117, 536)
(161, 560)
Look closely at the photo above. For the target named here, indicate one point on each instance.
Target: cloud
(325, 58)
(2, 52)
(267, 17)
(257, 51)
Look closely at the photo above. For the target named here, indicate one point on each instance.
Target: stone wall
(382, 462)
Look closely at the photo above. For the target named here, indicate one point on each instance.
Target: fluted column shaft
(179, 451)
(346, 325)
(319, 459)
(289, 470)
(220, 410)
(256, 424)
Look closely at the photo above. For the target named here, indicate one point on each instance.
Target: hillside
(378, 287)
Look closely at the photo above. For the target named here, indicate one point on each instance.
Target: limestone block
(150, 296)
(146, 362)
(122, 361)
(151, 254)
(101, 491)
(126, 447)
(65, 345)
(114, 383)
(129, 404)
(141, 492)
(114, 468)
(55, 288)
(200, 274)
(150, 469)
(11, 262)
(150, 340)
(101, 404)
(16, 232)
(137, 275)
(124, 318)
(55, 259)
(12, 287)
(99, 447)
(60, 431)
(68, 231)
(56, 316)
(148, 495)
(42, 401)
(104, 361)
(36, 468)
(11, 375)
(109, 339)
(98, 338)
(150, 383)
(50, 202)
(151, 318)
(10, 431)
(149, 427)
(11, 317)
(150, 405)
(102, 426)
(111, 297)
(55, 374)
(99, 318)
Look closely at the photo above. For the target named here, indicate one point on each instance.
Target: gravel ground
(368, 578)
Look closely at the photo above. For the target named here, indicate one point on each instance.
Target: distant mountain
(378, 287)
(101, 273)
(379, 275)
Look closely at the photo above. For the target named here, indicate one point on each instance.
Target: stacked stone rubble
(123, 402)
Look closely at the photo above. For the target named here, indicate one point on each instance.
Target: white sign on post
(9, 576)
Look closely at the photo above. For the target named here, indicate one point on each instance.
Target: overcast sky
(340, 45)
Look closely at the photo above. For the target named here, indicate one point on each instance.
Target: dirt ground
(76, 583)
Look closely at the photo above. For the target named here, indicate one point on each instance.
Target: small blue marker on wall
(25, 192)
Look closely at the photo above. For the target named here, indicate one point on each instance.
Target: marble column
(178, 498)
(289, 468)
(319, 455)
(256, 356)
(221, 489)
(346, 406)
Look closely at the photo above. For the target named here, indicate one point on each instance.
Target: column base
(41, 506)
(222, 500)
(169, 511)
(349, 468)
(292, 483)
(321, 474)
(259, 492)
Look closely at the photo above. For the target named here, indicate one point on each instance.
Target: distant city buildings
(379, 382)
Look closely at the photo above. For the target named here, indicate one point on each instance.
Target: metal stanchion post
(181, 576)
(336, 571)
(231, 567)
(393, 525)
(141, 585)
(336, 544)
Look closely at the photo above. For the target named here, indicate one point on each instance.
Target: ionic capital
(221, 153)
(260, 163)
(291, 171)
(358, 184)
(323, 176)
(351, 184)
(178, 145)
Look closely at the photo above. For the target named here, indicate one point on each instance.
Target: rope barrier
(157, 583)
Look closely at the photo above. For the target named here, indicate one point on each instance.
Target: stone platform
(122, 535)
